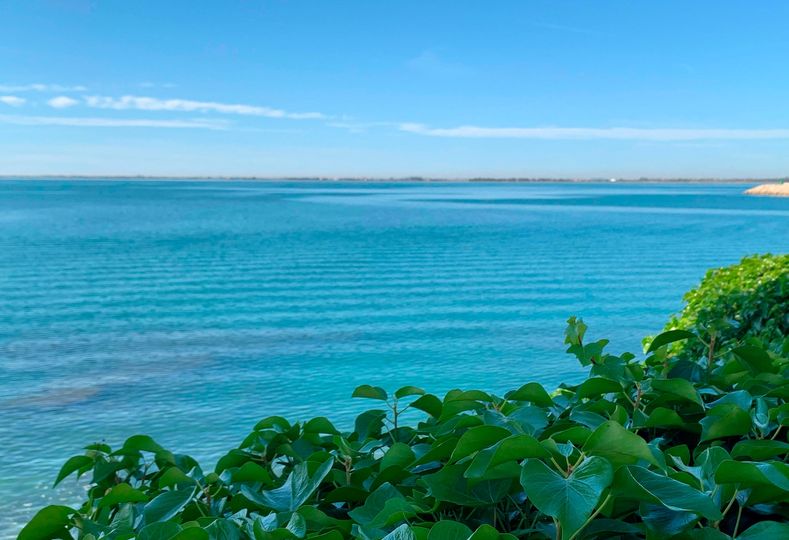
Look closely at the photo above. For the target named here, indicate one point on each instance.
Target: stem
(558, 466)
(711, 353)
(348, 470)
(590, 518)
(728, 507)
(198, 489)
(638, 397)
(777, 431)
(737, 523)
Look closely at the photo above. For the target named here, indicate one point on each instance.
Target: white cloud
(62, 102)
(155, 104)
(13, 101)
(39, 87)
(198, 123)
(617, 133)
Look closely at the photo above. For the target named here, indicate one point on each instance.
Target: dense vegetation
(747, 300)
(689, 441)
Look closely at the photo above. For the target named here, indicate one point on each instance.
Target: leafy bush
(669, 446)
(749, 299)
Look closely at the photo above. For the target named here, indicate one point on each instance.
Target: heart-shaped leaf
(298, 487)
(570, 500)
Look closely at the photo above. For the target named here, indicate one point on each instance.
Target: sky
(452, 89)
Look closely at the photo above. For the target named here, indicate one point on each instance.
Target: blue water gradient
(189, 310)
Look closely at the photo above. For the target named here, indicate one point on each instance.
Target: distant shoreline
(423, 180)
(769, 190)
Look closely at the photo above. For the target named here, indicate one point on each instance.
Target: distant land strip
(423, 179)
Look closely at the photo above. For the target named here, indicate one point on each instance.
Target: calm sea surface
(189, 310)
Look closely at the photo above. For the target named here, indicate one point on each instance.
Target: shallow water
(189, 310)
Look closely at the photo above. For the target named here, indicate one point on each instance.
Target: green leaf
(403, 532)
(193, 533)
(277, 423)
(141, 443)
(486, 532)
(662, 522)
(369, 423)
(298, 487)
(759, 449)
(174, 476)
(637, 483)
(663, 418)
(512, 448)
(597, 386)
(725, 420)
(370, 392)
(406, 391)
(429, 404)
(533, 392)
(122, 493)
(320, 425)
(766, 530)
(399, 454)
(679, 388)
(754, 359)
(449, 530)
(74, 463)
(669, 337)
(478, 438)
(753, 473)
(297, 525)
(165, 530)
(224, 529)
(449, 485)
(574, 333)
(384, 507)
(166, 505)
(251, 472)
(618, 445)
(50, 522)
(570, 500)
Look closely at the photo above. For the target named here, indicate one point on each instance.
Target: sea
(188, 310)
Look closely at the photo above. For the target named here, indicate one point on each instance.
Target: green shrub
(686, 445)
(749, 299)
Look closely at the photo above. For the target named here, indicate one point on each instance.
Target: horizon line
(410, 178)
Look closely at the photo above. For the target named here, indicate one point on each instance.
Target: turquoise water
(188, 310)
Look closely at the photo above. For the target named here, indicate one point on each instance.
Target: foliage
(749, 299)
(667, 446)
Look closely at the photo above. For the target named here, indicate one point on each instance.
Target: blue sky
(451, 89)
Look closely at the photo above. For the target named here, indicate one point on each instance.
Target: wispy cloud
(197, 123)
(431, 63)
(617, 133)
(149, 84)
(39, 87)
(62, 102)
(359, 127)
(13, 101)
(155, 104)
